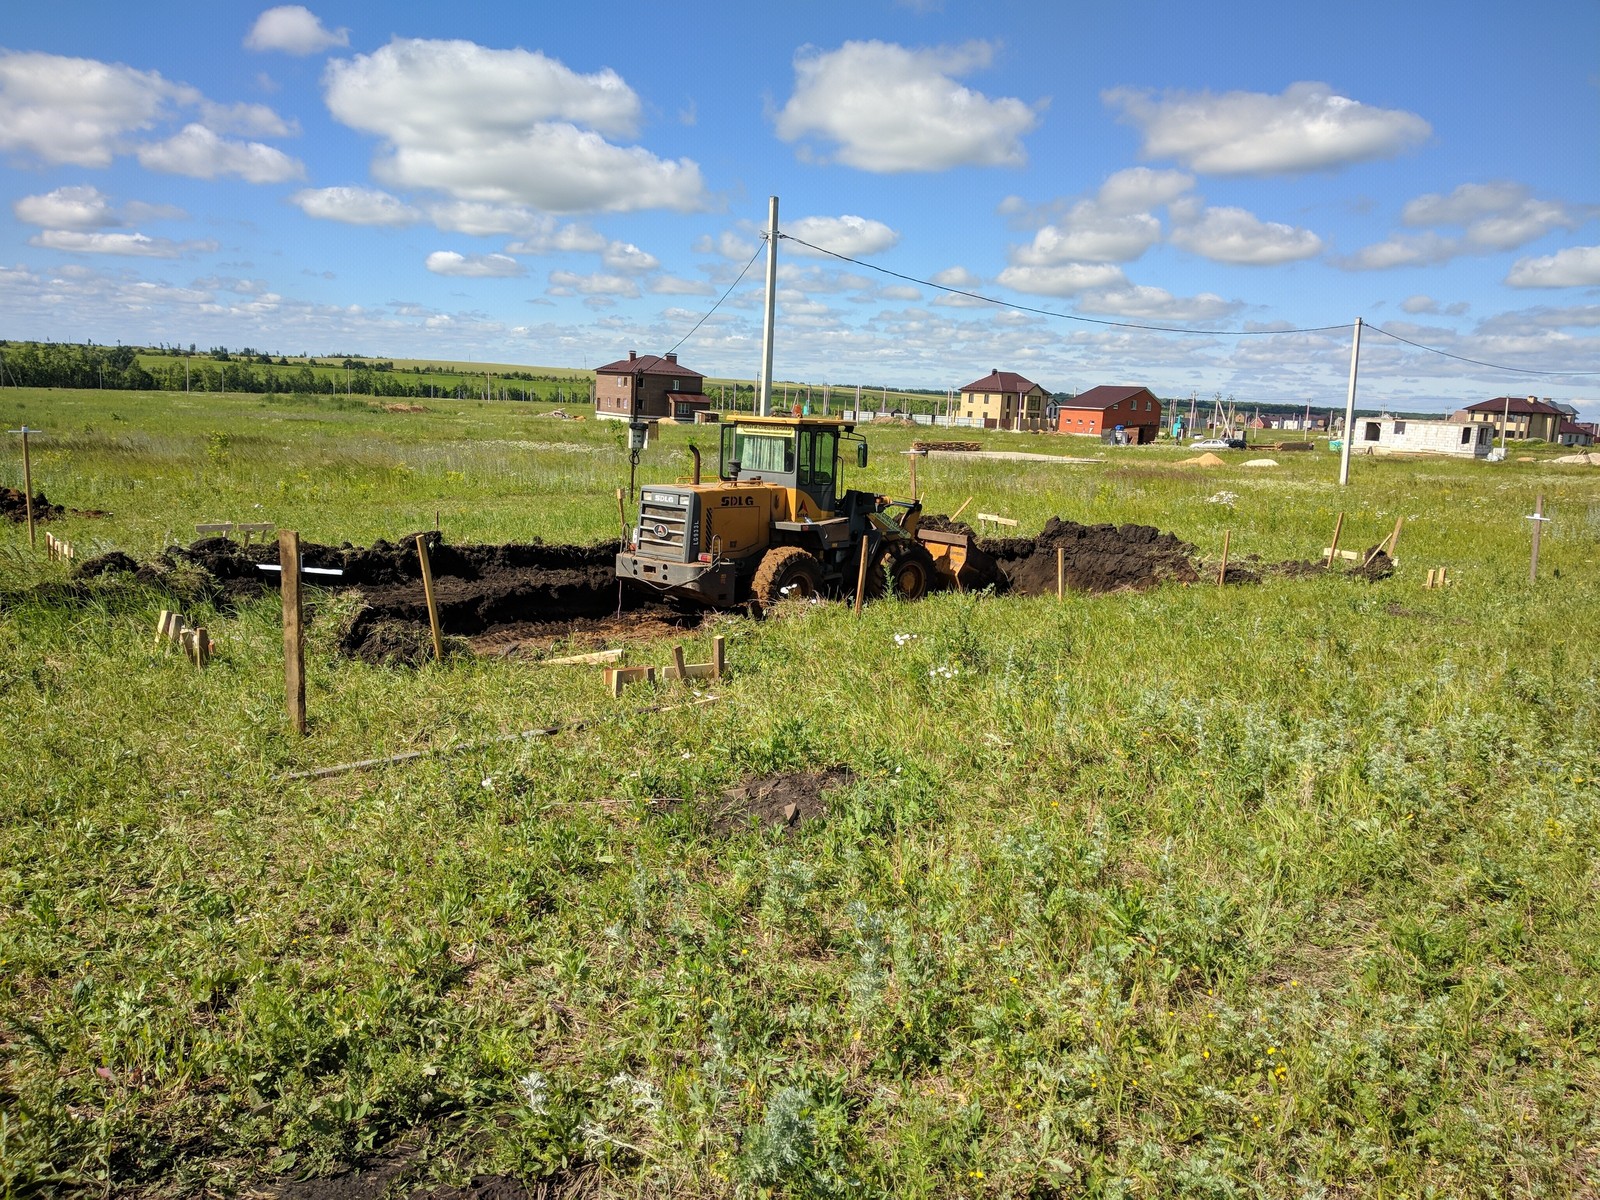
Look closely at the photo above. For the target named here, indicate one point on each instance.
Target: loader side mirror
(861, 455)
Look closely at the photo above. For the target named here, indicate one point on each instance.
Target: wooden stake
(1222, 572)
(962, 509)
(719, 661)
(427, 593)
(1394, 538)
(861, 578)
(202, 648)
(1333, 549)
(678, 663)
(27, 482)
(294, 647)
(911, 456)
(1538, 528)
(161, 626)
(1061, 572)
(1430, 582)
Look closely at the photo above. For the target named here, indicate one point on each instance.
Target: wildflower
(1205, 1054)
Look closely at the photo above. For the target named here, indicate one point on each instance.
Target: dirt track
(528, 598)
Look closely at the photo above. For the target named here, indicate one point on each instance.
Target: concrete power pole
(1350, 407)
(764, 404)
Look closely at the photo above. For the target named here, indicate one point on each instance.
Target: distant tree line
(74, 365)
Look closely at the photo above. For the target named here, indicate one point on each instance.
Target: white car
(1217, 443)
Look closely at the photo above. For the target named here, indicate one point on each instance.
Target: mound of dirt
(1098, 558)
(1207, 459)
(1589, 459)
(14, 504)
(778, 799)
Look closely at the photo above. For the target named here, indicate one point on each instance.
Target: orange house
(1100, 410)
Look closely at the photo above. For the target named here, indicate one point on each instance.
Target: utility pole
(1505, 420)
(764, 402)
(1350, 406)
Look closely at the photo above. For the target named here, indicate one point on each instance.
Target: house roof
(1104, 396)
(1571, 427)
(1001, 381)
(648, 364)
(1519, 405)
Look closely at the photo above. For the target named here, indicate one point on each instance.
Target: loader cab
(791, 452)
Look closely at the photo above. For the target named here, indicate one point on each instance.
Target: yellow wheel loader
(776, 523)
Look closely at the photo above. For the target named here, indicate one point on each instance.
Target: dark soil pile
(778, 799)
(14, 504)
(1098, 558)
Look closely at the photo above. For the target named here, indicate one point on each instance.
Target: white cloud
(474, 266)
(537, 142)
(847, 235)
(550, 237)
(247, 120)
(132, 245)
(673, 285)
(1307, 128)
(1153, 303)
(355, 206)
(198, 152)
(628, 258)
(1088, 234)
(1067, 279)
(1232, 235)
(1402, 250)
(727, 244)
(1496, 216)
(1576, 266)
(887, 108)
(570, 283)
(1138, 189)
(80, 207)
(1419, 304)
(293, 29)
(957, 277)
(78, 110)
(899, 291)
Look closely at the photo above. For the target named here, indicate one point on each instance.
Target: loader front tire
(904, 570)
(786, 573)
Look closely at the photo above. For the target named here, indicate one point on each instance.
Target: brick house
(1003, 400)
(1516, 417)
(1101, 409)
(649, 386)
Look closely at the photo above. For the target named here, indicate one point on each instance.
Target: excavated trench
(528, 598)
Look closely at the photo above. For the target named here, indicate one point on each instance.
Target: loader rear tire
(786, 573)
(904, 570)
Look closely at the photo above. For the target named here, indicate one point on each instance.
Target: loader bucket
(957, 559)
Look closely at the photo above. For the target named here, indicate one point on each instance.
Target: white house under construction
(1403, 435)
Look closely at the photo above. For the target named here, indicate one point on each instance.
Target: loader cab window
(769, 453)
(819, 457)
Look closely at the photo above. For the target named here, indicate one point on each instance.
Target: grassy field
(1280, 890)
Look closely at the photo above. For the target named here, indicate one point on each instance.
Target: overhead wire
(718, 304)
(1474, 361)
(1047, 312)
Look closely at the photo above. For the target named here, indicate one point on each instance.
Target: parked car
(1216, 443)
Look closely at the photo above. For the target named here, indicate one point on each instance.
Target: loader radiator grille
(663, 530)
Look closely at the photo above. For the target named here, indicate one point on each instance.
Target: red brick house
(650, 387)
(1102, 409)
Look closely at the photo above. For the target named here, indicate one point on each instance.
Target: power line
(1474, 361)
(718, 304)
(1046, 312)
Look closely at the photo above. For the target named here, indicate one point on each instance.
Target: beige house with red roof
(1516, 417)
(1003, 400)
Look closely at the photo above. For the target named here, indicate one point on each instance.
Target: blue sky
(558, 184)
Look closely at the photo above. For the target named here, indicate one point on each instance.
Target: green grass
(1281, 890)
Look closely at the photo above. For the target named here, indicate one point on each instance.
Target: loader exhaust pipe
(696, 452)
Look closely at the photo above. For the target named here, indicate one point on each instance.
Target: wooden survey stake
(861, 578)
(1222, 571)
(1538, 520)
(427, 593)
(294, 648)
(1333, 548)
